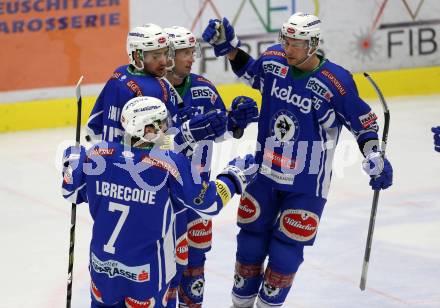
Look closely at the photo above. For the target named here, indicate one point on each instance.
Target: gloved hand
(207, 126)
(186, 113)
(221, 36)
(436, 131)
(240, 171)
(380, 170)
(71, 156)
(244, 110)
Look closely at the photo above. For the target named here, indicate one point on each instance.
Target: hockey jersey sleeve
(206, 198)
(104, 121)
(74, 180)
(355, 114)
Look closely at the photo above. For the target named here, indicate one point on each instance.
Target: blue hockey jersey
(104, 122)
(301, 119)
(131, 194)
(200, 93)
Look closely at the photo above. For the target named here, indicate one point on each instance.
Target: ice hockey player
(132, 188)
(200, 96)
(306, 100)
(436, 131)
(148, 51)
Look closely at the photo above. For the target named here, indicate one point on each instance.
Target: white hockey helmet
(182, 38)
(142, 111)
(146, 38)
(302, 26)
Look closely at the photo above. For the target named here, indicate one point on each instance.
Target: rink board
(62, 112)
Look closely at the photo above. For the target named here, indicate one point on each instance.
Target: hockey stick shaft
(73, 211)
(375, 202)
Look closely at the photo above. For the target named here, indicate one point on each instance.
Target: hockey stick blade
(73, 210)
(375, 202)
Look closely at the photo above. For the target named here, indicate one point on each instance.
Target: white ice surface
(405, 261)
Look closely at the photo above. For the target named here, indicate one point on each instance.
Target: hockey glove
(436, 131)
(221, 36)
(70, 162)
(380, 170)
(186, 113)
(240, 171)
(244, 110)
(207, 126)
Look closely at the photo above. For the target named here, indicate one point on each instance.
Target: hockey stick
(376, 192)
(73, 212)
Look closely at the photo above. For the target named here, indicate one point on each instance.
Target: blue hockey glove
(244, 110)
(71, 156)
(207, 126)
(240, 171)
(221, 36)
(379, 169)
(436, 131)
(186, 113)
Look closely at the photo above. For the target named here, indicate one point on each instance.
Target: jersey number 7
(112, 206)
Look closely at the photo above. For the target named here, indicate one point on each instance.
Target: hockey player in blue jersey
(149, 50)
(200, 96)
(132, 189)
(436, 131)
(306, 100)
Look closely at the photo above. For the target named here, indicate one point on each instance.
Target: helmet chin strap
(174, 74)
(308, 56)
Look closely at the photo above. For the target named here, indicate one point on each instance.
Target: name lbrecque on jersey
(125, 193)
(114, 268)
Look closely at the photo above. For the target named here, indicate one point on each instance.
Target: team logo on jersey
(203, 92)
(299, 225)
(113, 268)
(248, 210)
(133, 303)
(182, 250)
(289, 96)
(199, 233)
(319, 88)
(284, 126)
(275, 68)
(368, 119)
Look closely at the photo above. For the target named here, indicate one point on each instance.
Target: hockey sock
(247, 280)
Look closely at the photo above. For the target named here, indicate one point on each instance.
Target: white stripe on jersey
(72, 196)
(90, 132)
